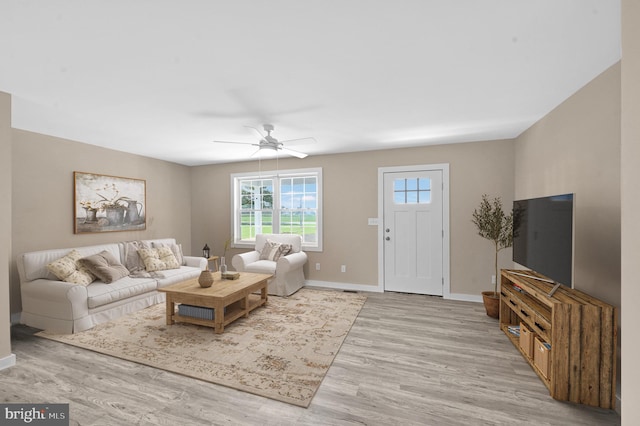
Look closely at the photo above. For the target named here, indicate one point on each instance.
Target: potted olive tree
(496, 226)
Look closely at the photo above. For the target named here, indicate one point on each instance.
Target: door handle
(388, 238)
(387, 230)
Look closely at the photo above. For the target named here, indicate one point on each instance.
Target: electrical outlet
(343, 268)
(317, 266)
(493, 279)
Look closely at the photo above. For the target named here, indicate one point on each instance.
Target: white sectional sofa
(63, 307)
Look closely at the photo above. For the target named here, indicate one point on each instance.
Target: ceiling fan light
(265, 152)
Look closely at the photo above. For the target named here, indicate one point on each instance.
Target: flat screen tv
(543, 237)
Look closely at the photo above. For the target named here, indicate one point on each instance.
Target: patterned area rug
(282, 351)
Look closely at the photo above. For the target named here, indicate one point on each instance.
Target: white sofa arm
(196, 262)
(240, 261)
(56, 299)
(291, 262)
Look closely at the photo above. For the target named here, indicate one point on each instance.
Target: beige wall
(5, 225)
(42, 190)
(630, 208)
(351, 197)
(576, 148)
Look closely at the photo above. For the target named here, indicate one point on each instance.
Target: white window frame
(236, 203)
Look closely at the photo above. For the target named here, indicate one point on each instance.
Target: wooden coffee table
(237, 296)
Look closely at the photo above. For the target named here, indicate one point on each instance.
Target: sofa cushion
(173, 276)
(68, 269)
(262, 267)
(158, 259)
(273, 250)
(105, 266)
(100, 294)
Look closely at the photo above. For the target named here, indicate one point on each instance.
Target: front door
(413, 232)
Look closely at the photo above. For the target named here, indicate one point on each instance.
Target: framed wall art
(105, 203)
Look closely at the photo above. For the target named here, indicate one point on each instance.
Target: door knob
(388, 230)
(388, 238)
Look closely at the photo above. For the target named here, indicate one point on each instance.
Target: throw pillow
(176, 249)
(158, 259)
(68, 270)
(132, 260)
(274, 251)
(105, 266)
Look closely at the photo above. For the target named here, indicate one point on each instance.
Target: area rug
(281, 351)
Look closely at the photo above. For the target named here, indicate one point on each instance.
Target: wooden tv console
(581, 330)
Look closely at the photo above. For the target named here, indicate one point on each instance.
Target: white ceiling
(165, 78)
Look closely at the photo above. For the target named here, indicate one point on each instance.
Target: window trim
(235, 179)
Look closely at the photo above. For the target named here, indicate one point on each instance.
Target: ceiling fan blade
(301, 140)
(238, 143)
(293, 153)
(258, 132)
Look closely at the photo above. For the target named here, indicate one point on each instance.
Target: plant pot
(491, 302)
(91, 216)
(115, 215)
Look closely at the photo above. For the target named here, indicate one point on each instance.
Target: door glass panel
(412, 191)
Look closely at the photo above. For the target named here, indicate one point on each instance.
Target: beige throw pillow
(158, 259)
(176, 249)
(105, 266)
(274, 251)
(68, 269)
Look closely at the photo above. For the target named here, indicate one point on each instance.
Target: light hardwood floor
(408, 360)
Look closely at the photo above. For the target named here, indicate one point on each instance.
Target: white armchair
(287, 270)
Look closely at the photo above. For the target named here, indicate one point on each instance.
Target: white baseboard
(465, 297)
(375, 289)
(343, 286)
(8, 361)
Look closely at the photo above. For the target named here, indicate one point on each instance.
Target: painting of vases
(104, 203)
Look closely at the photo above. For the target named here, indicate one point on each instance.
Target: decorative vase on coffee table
(205, 279)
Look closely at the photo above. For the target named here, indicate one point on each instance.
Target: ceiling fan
(269, 143)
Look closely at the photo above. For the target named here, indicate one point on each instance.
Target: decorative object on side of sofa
(205, 279)
(206, 251)
(105, 203)
(496, 226)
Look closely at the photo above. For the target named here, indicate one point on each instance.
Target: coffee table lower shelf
(230, 299)
(232, 313)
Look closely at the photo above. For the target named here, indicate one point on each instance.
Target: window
(412, 191)
(284, 202)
